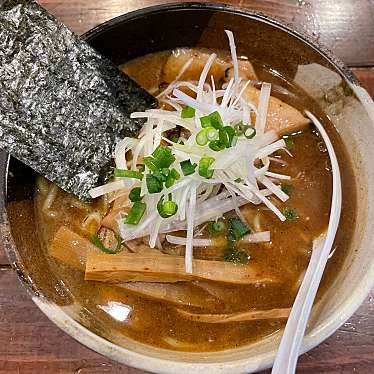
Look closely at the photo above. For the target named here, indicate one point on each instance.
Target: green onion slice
(216, 228)
(212, 120)
(188, 112)
(159, 175)
(169, 181)
(238, 228)
(239, 128)
(291, 214)
(249, 132)
(175, 174)
(123, 173)
(290, 145)
(99, 244)
(204, 165)
(166, 209)
(287, 188)
(174, 138)
(163, 156)
(187, 167)
(224, 138)
(134, 194)
(165, 171)
(201, 137)
(150, 163)
(237, 257)
(154, 184)
(211, 133)
(216, 145)
(227, 136)
(136, 213)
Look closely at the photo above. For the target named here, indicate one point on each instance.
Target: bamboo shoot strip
(64, 119)
(134, 267)
(71, 248)
(252, 315)
(177, 293)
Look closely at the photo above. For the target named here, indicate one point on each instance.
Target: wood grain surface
(344, 26)
(30, 343)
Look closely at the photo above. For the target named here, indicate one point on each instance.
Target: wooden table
(30, 343)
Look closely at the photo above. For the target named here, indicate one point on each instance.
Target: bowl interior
(290, 56)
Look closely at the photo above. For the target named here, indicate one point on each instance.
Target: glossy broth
(114, 312)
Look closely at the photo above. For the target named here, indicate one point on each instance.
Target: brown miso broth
(115, 312)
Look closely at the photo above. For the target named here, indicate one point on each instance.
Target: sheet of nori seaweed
(63, 106)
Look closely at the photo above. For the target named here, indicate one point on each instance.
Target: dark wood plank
(33, 344)
(344, 26)
(36, 345)
(3, 256)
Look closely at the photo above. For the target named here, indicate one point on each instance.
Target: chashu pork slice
(220, 69)
(281, 117)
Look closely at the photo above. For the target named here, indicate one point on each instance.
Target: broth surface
(116, 313)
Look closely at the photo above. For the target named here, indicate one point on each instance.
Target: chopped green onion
(237, 257)
(290, 145)
(175, 174)
(150, 163)
(216, 145)
(238, 180)
(169, 181)
(134, 194)
(165, 171)
(232, 135)
(154, 185)
(212, 120)
(187, 167)
(249, 132)
(136, 213)
(224, 138)
(205, 121)
(227, 136)
(238, 228)
(174, 138)
(287, 188)
(123, 173)
(201, 138)
(166, 209)
(163, 156)
(216, 228)
(158, 174)
(211, 133)
(188, 112)
(204, 165)
(239, 128)
(290, 214)
(99, 244)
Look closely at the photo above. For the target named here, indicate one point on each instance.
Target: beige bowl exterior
(352, 112)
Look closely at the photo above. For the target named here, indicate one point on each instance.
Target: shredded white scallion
(240, 169)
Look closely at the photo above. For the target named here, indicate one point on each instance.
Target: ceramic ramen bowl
(288, 53)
